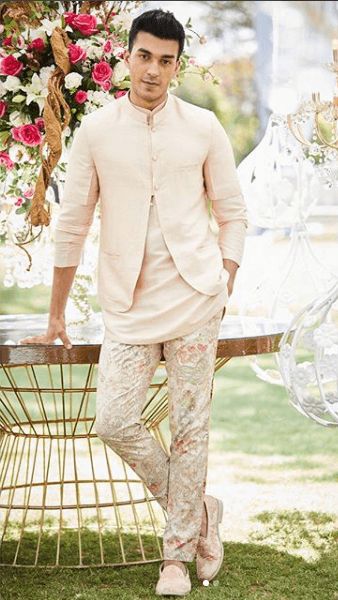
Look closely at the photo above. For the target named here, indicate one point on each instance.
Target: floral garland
(94, 37)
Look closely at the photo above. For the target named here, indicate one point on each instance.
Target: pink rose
(19, 201)
(76, 53)
(101, 72)
(7, 41)
(39, 121)
(86, 24)
(10, 65)
(27, 134)
(29, 192)
(108, 47)
(120, 93)
(15, 131)
(6, 161)
(37, 44)
(81, 96)
(20, 43)
(119, 52)
(106, 85)
(3, 108)
(69, 17)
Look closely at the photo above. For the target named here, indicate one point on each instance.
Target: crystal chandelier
(308, 356)
(292, 168)
(314, 125)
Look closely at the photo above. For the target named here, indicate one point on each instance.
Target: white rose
(120, 72)
(12, 83)
(17, 152)
(2, 89)
(17, 118)
(83, 43)
(100, 98)
(45, 73)
(118, 50)
(94, 52)
(73, 80)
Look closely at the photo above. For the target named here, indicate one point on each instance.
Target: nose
(153, 69)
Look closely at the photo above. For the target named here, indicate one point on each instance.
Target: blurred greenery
(16, 300)
(233, 101)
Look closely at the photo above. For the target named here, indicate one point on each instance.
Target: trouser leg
(124, 375)
(190, 364)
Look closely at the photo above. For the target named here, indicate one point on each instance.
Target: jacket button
(155, 187)
(154, 157)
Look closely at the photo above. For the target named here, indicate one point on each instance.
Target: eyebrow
(163, 55)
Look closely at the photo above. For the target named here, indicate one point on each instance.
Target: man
(164, 279)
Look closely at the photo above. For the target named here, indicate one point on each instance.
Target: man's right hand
(56, 329)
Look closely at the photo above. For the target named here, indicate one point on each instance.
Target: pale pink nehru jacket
(160, 271)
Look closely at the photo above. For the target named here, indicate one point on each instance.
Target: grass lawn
(277, 473)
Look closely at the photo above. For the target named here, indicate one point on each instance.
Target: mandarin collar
(145, 115)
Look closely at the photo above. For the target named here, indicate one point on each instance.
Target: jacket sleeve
(223, 189)
(81, 192)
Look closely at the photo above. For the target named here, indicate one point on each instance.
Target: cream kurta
(160, 271)
(165, 306)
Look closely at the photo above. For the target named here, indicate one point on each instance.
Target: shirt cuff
(67, 249)
(232, 239)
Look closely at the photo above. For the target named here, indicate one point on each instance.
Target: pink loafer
(210, 551)
(172, 581)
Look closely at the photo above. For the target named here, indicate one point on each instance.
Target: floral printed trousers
(177, 481)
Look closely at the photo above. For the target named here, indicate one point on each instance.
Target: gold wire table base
(67, 499)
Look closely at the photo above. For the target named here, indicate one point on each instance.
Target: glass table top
(238, 336)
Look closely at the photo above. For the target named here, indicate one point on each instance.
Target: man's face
(152, 64)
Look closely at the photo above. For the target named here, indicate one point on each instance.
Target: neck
(135, 99)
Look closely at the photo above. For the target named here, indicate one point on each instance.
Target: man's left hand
(231, 266)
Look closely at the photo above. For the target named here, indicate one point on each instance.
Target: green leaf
(21, 210)
(18, 98)
(4, 137)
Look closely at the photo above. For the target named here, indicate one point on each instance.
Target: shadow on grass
(249, 572)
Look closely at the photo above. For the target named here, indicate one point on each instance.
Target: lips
(150, 82)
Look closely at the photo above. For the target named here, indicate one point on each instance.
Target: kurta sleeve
(81, 193)
(223, 189)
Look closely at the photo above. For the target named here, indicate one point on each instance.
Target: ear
(126, 58)
(178, 66)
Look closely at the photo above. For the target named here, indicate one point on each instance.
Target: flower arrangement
(58, 62)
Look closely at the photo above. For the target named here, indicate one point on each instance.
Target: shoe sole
(172, 593)
(220, 518)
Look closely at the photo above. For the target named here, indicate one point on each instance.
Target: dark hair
(160, 23)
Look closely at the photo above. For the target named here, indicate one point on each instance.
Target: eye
(166, 62)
